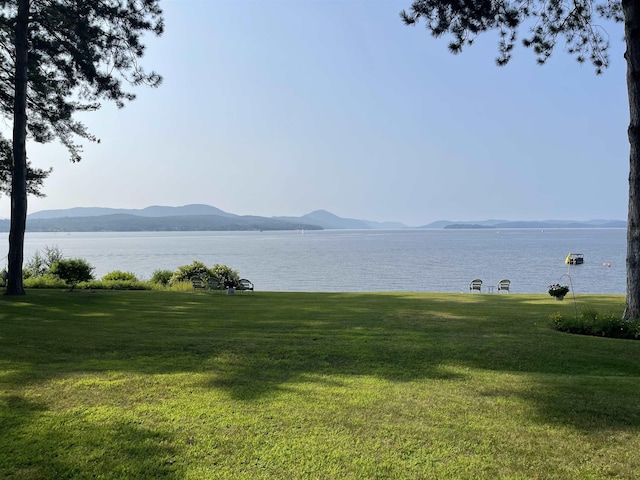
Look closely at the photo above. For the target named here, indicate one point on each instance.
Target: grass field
(182, 385)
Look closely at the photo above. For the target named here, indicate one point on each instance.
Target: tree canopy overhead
(547, 23)
(80, 52)
(59, 58)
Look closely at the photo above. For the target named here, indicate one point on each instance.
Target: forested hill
(200, 217)
(195, 217)
(133, 223)
(543, 224)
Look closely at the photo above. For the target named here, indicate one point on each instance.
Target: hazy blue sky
(285, 107)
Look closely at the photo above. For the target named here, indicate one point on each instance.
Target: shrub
(73, 271)
(591, 322)
(161, 277)
(185, 272)
(40, 264)
(114, 285)
(119, 275)
(229, 276)
(48, 280)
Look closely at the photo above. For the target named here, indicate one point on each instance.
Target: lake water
(371, 260)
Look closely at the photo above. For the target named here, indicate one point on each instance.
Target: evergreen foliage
(35, 176)
(40, 264)
(553, 20)
(79, 53)
(59, 59)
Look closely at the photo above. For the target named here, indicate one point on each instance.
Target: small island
(466, 226)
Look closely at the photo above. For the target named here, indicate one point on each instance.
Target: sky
(283, 107)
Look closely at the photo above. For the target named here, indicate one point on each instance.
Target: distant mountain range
(199, 217)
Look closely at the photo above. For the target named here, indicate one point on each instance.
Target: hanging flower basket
(558, 291)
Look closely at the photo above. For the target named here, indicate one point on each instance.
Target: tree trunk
(19, 170)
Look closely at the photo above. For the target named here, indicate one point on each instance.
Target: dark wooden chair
(198, 283)
(214, 283)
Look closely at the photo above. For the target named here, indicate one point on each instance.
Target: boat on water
(575, 259)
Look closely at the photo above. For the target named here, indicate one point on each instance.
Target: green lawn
(182, 385)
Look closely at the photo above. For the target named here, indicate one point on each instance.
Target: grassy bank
(182, 385)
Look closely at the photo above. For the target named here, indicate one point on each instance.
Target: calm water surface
(358, 260)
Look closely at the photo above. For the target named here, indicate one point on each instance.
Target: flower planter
(558, 291)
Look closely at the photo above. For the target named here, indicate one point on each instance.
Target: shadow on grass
(76, 447)
(253, 345)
